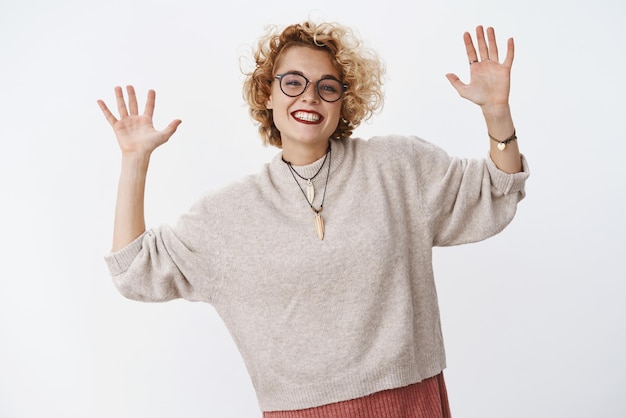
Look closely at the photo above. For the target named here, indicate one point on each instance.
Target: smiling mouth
(307, 117)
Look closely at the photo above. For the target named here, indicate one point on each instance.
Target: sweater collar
(280, 170)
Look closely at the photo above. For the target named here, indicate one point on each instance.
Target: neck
(304, 155)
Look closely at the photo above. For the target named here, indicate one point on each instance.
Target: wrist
(496, 112)
(499, 121)
(138, 157)
(135, 161)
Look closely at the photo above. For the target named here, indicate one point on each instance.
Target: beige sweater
(321, 321)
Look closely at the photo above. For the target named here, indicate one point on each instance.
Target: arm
(137, 139)
(464, 200)
(489, 88)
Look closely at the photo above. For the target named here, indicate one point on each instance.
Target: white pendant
(501, 146)
(310, 191)
(319, 226)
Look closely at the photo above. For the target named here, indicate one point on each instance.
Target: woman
(321, 264)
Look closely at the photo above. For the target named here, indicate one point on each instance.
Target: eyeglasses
(294, 84)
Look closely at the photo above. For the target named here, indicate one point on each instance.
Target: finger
(107, 113)
(510, 53)
(149, 109)
(121, 105)
(171, 128)
(482, 44)
(469, 48)
(493, 46)
(132, 100)
(456, 82)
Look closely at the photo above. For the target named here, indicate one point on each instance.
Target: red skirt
(426, 399)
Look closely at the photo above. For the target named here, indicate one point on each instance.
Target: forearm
(500, 126)
(129, 211)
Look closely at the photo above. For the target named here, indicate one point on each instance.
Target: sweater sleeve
(467, 200)
(169, 262)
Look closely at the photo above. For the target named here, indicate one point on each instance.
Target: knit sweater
(323, 321)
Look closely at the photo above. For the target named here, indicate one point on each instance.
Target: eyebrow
(323, 77)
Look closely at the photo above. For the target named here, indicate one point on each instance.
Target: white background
(534, 319)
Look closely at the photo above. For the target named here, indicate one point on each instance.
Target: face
(305, 122)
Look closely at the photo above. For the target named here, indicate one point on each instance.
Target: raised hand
(489, 83)
(137, 139)
(135, 132)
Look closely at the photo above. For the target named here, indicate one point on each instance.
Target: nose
(310, 93)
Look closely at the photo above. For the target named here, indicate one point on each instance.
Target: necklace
(319, 221)
(310, 190)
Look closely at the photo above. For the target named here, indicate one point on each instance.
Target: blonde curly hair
(359, 68)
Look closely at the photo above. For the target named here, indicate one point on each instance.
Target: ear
(268, 104)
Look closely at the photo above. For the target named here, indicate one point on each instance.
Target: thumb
(171, 128)
(456, 82)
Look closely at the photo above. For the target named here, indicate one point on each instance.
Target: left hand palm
(489, 79)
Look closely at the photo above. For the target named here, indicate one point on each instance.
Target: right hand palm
(135, 133)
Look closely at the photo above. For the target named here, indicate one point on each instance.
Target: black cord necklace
(319, 221)
(310, 190)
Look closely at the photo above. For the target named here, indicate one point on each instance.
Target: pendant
(310, 191)
(501, 146)
(319, 226)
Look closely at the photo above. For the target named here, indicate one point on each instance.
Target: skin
(303, 143)
(137, 139)
(489, 88)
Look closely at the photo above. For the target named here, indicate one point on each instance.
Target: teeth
(309, 117)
